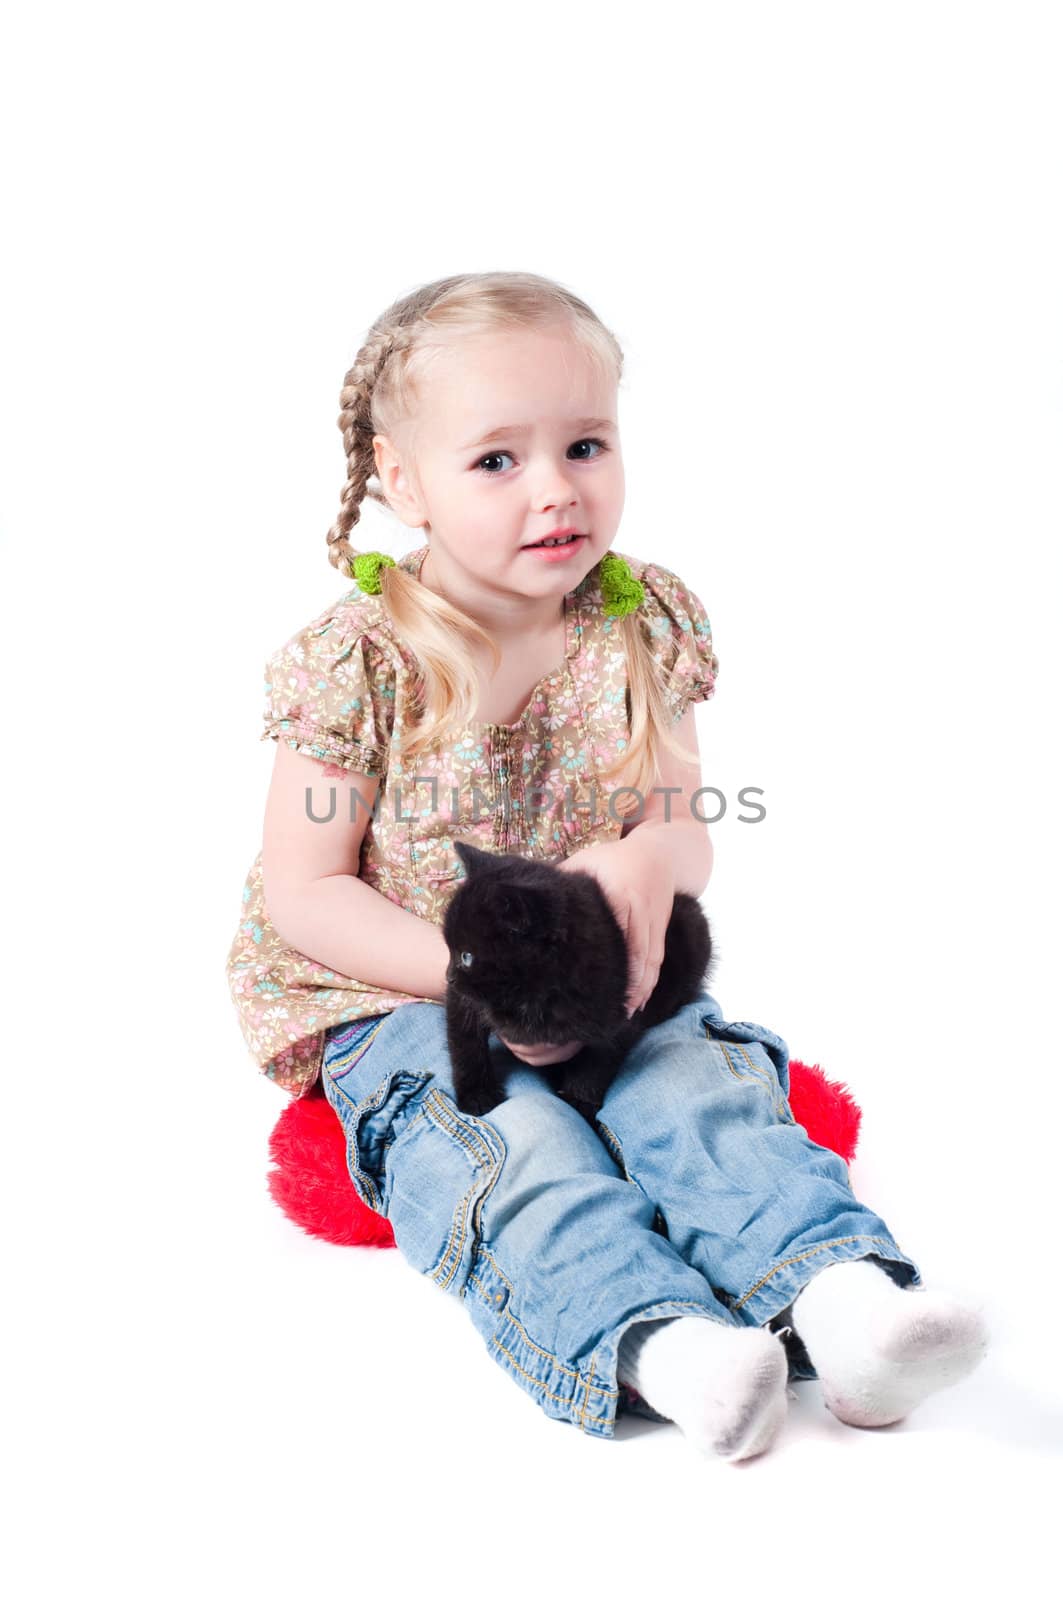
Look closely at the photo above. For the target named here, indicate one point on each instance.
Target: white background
(829, 239)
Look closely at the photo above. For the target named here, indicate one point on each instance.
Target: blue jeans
(699, 1195)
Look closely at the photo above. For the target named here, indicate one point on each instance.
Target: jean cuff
(779, 1288)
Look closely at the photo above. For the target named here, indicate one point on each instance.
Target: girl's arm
(314, 896)
(666, 850)
(668, 822)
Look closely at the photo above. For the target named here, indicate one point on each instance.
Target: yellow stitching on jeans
(871, 1237)
(472, 1282)
(454, 1244)
(459, 1130)
(661, 1307)
(455, 1131)
(572, 1372)
(757, 1072)
(753, 1067)
(355, 1053)
(478, 1208)
(782, 1107)
(539, 1384)
(412, 1122)
(371, 1102)
(589, 1387)
(456, 1241)
(361, 1108)
(727, 1057)
(617, 1149)
(458, 1122)
(587, 1393)
(496, 1266)
(769, 1079)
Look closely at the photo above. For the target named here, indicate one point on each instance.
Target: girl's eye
(499, 455)
(466, 958)
(602, 446)
(496, 455)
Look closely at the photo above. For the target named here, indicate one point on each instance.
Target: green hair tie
(621, 591)
(365, 570)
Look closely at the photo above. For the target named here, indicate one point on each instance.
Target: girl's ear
(394, 479)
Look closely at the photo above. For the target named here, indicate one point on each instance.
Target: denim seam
(587, 1394)
(743, 1077)
(436, 1108)
(411, 1124)
(570, 1372)
(480, 1290)
(371, 1102)
(615, 1147)
(760, 1071)
(629, 1177)
(804, 1254)
(499, 1158)
(456, 1238)
(360, 1046)
(457, 1129)
(589, 1386)
(557, 1398)
(496, 1266)
(769, 1078)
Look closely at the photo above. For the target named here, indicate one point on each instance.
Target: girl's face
(553, 461)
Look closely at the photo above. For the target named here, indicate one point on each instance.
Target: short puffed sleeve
(681, 639)
(330, 693)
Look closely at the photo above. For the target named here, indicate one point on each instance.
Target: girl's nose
(552, 490)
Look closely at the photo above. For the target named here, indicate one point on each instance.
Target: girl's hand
(638, 878)
(544, 1055)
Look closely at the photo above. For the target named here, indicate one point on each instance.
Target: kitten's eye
(466, 958)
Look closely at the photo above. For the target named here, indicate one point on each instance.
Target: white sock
(879, 1349)
(725, 1387)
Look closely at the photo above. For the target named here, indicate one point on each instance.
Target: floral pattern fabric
(339, 691)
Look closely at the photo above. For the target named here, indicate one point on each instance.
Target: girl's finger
(652, 972)
(639, 948)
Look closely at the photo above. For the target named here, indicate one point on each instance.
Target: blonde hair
(379, 396)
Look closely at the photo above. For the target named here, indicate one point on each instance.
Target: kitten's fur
(549, 964)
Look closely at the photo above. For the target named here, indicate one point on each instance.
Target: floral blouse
(339, 691)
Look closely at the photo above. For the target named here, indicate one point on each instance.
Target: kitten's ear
(471, 858)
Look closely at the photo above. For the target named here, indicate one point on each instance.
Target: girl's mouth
(560, 550)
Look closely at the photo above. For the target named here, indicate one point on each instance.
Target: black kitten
(537, 955)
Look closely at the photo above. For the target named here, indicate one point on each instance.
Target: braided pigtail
(355, 422)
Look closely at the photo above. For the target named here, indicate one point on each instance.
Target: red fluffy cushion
(825, 1109)
(310, 1182)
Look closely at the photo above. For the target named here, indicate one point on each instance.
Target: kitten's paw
(479, 1102)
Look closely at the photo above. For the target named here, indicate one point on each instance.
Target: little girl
(516, 683)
